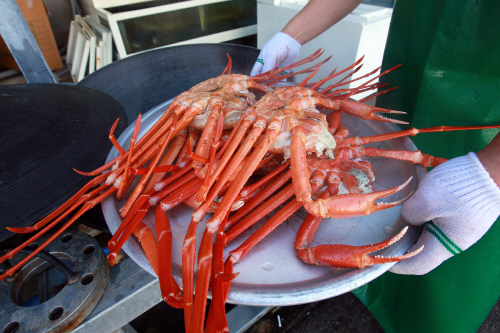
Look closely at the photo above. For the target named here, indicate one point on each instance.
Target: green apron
(450, 52)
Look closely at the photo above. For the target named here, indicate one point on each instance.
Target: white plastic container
(363, 32)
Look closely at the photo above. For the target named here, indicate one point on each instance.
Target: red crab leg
(206, 137)
(266, 192)
(175, 129)
(170, 290)
(159, 169)
(205, 254)
(342, 83)
(233, 159)
(101, 169)
(168, 158)
(80, 201)
(334, 122)
(143, 145)
(311, 223)
(315, 71)
(282, 77)
(122, 188)
(71, 205)
(360, 110)
(331, 76)
(142, 205)
(340, 134)
(353, 204)
(136, 218)
(189, 244)
(191, 140)
(140, 186)
(340, 206)
(144, 140)
(86, 206)
(139, 204)
(215, 145)
(176, 175)
(300, 172)
(181, 194)
(355, 91)
(149, 199)
(259, 213)
(188, 262)
(148, 143)
(278, 218)
(217, 321)
(250, 188)
(232, 135)
(113, 139)
(346, 256)
(228, 66)
(152, 198)
(358, 141)
(228, 153)
(273, 129)
(148, 244)
(378, 94)
(415, 157)
(270, 74)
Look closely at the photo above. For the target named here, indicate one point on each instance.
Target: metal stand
(67, 309)
(131, 291)
(21, 43)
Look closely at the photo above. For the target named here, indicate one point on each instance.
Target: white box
(363, 32)
(104, 12)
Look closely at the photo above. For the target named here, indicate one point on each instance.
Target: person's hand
(281, 49)
(461, 201)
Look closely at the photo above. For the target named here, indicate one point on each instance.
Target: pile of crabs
(205, 152)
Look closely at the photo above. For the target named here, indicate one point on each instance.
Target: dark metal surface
(145, 80)
(72, 304)
(45, 132)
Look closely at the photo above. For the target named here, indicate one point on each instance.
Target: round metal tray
(271, 274)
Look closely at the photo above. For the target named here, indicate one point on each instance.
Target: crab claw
(346, 256)
(353, 204)
(367, 112)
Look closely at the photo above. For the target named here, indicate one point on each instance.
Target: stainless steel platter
(271, 274)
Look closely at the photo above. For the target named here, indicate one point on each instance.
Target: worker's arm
(315, 18)
(318, 16)
(490, 159)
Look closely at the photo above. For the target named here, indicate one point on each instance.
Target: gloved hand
(461, 201)
(281, 48)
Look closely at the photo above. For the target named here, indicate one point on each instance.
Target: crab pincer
(347, 256)
(365, 112)
(353, 204)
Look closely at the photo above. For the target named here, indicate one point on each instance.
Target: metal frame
(131, 291)
(21, 43)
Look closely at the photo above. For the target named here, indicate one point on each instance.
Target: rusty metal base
(71, 305)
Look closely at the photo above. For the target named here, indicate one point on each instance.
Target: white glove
(281, 48)
(461, 201)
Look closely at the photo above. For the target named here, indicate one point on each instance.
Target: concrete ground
(342, 314)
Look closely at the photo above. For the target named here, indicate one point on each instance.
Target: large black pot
(46, 130)
(142, 81)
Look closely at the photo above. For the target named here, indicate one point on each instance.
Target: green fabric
(450, 52)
